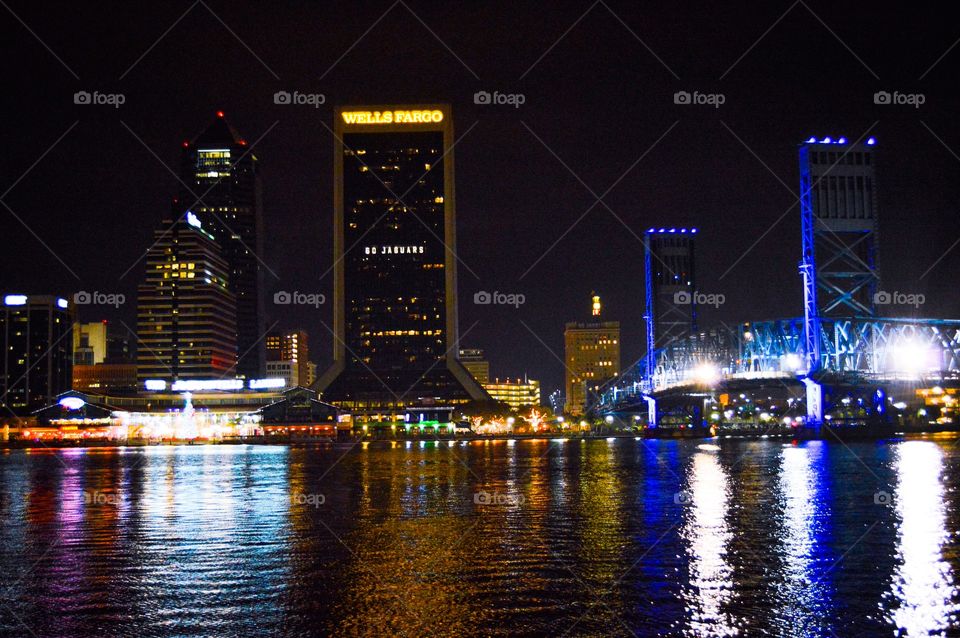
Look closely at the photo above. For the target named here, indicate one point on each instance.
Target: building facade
(36, 334)
(225, 195)
(592, 356)
(521, 394)
(476, 364)
(90, 343)
(289, 347)
(395, 290)
(186, 325)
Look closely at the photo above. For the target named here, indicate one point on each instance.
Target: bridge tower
(839, 262)
(671, 297)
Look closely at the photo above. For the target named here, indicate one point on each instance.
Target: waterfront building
(476, 364)
(592, 357)
(520, 394)
(185, 311)
(395, 269)
(224, 193)
(36, 335)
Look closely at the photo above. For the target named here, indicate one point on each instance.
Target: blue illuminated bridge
(839, 365)
(755, 376)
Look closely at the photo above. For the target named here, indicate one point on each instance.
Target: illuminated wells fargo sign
(424, 116)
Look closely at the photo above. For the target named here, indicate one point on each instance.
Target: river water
(498, 538)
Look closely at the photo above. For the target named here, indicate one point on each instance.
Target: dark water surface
(595, 538)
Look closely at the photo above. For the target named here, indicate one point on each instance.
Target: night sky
(597, 98)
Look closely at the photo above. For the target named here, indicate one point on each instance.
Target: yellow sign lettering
(424, 116)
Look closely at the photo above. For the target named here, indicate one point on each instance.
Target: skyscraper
(592, 357)
(839, 223)
(395, 269)
(224, 194)
(185, 310)
(36, 335)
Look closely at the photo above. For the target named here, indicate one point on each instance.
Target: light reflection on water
(923, 582)
(587, 538)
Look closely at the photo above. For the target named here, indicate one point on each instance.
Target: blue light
(871, 141)
(62, 303)
(683, 230)
(693, 230)
(651, 230)
(15, 300)
(812, 140)
(663, 230)
(842, 140)
(673, 230)
(826, 140)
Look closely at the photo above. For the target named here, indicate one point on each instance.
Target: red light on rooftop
(219, 113)
(243, 142)
(186, 144)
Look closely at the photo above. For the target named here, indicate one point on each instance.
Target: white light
(195, 385)
(192, 220)
(913, 358)
(706, 374)
(62, 303)
(15, 300)
(72, 403)
(258, 384)
(155, 384)
(609, 419)
(792, 362)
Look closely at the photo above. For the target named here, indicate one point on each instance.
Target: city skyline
(742, 163)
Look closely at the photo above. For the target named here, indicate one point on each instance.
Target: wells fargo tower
(395, 267)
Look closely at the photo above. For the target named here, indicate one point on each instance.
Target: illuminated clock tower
(395, 267)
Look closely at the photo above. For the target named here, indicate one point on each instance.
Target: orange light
(219, 113)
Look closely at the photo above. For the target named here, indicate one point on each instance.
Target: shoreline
(329, 442)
